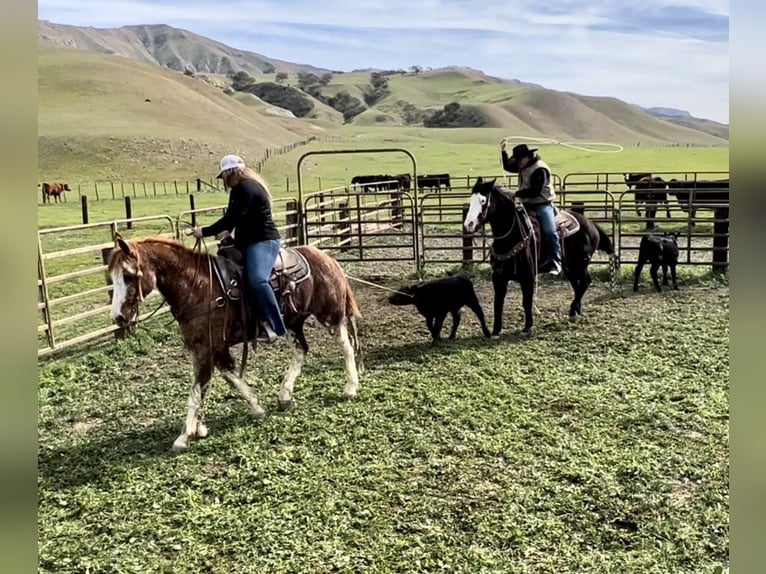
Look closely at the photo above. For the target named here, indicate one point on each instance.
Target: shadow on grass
(102, 461)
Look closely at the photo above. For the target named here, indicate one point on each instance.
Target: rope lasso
(617, 148)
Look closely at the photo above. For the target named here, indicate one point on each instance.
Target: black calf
(434, 299)
(658, 250)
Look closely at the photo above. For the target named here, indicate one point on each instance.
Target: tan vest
(524, 178)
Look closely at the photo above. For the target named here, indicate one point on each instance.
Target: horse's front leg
(500, 286)
(527, 301)
(203, 372)
(299, 347)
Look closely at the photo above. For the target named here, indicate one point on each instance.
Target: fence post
(105, 253)
(192, 207)
(360, 226)
(344, 226)
(721, 240)
(42, 191)
(84, 202)
(128, 211)
(396, 209)
(467, 240)
(321, 208)
(199, 184)
(291, 220)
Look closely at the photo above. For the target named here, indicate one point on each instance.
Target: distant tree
(415, 69)
(268, 68)
(346, 104)
(306, 80)
(189, 72)
(281, 77)
(453, 116)
(325, 79)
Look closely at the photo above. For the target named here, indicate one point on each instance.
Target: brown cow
(55, 190)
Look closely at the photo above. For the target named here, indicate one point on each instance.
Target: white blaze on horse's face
(124, 296)
(475, 209)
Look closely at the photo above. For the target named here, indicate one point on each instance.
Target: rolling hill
(157, 101)
(111, 116)
(166, 46)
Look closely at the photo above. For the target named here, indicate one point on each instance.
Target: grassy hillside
(94, 119)
(95, 123)
(167, 46)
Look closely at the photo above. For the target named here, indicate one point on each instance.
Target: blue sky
(672, 53)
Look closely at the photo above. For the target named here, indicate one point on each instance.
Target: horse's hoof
(202, 430)
(285, 405)
(528, 332)
(258, 413)
(180, 445)
(348, 396)
(573, 318)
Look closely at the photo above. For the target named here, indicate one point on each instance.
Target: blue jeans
(259, 263)
(547, 218)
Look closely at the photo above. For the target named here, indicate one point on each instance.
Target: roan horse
(517, 251)
(210, 325)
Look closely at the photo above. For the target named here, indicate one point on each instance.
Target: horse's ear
(121, 243)
(493, 181)
(480, 180)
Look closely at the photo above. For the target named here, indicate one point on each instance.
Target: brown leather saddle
(290, 270)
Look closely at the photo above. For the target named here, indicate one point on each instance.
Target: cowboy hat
(522, 150)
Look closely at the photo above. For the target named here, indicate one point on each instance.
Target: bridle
(522, 245)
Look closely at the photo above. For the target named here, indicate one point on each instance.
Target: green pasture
(463, 153)
(590, 447)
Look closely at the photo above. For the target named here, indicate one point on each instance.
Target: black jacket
(249, 212)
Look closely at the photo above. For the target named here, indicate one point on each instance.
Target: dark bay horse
(210, 327)
(517, 250)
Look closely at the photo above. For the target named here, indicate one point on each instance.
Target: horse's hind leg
(299, 348)
(203, 372)
(352, 375)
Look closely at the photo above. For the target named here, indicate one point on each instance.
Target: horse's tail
(604, 243)
(352, 314)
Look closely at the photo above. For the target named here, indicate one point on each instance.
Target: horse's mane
(118, 256)
(505, 190)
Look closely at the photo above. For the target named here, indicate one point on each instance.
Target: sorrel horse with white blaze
(210, 327)
(517, 251)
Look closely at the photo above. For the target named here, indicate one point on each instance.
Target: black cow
(434, 299)
(434, 181)
(649, 191)
(708, 194)
(376, 182)
(658, 250)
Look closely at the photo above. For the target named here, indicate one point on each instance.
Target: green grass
(598, 446)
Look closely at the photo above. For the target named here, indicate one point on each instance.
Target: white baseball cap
(229, 162)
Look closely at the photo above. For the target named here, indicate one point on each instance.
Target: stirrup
(266, 334)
